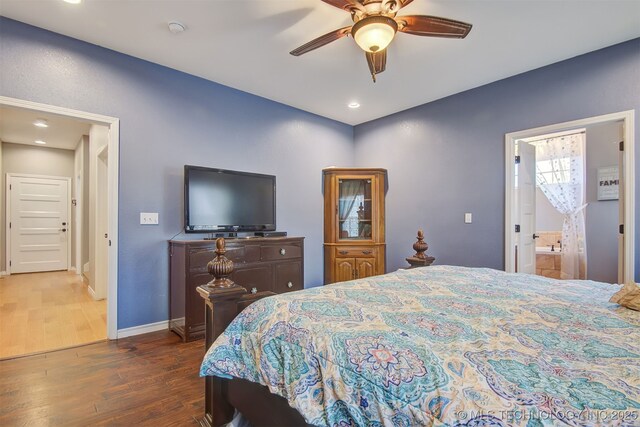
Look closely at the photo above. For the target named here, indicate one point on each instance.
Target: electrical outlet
(468, 218)
(149, 218)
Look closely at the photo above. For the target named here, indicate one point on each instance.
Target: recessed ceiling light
(39, 142)
(354, 105)
(73, 1)
(41, 123)
(176, 27)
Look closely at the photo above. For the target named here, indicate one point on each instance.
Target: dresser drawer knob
(254, 290)
(289, 285)
(367, 252)
(343, 252)
(283, 252)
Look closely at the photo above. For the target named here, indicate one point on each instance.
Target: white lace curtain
(349, 191)
(560, 176)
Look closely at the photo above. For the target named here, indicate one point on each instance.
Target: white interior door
(527, 208)
(39, 224)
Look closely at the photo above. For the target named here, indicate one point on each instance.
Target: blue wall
(169, 119)
(446, 158)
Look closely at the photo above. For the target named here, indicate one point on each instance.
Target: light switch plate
(468, 218)
(149, 218)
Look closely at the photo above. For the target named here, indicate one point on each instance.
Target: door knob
(535, 236)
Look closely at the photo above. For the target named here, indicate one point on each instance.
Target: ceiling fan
(375, 24)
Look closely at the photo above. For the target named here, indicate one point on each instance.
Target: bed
(438, 345)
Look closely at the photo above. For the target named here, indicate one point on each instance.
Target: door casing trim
(113, 178)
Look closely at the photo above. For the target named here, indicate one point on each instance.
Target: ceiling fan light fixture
(374, 33)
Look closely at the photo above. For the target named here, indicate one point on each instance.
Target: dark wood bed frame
(224, 301)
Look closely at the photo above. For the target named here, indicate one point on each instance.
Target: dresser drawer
(277, 252)
(255, 279)
(288, 277)
(356, 252)
(200, 257)
(243, 254)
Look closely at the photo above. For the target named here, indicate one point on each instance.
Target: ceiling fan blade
(345, 4)
(377, 62)
(432, 26)
(321, 41)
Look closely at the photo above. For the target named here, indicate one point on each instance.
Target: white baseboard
(85, 272)
(143, 329)
(92, 293)
(3, 273)
(72, 269)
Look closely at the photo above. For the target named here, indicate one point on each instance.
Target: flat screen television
(219, 200)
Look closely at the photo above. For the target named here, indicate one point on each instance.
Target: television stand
(273, 264)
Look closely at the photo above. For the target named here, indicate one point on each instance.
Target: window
(555, 171)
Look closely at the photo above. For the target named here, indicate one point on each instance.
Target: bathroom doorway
(566, 209)
(558, 165)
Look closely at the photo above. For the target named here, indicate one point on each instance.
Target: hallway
(46, 311)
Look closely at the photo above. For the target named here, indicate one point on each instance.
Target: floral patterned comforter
(442, 345)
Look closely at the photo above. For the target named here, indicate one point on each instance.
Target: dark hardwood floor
(142, 380)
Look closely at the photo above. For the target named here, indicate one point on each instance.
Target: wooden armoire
(354, 236)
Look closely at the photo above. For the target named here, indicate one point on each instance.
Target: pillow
(628, 296)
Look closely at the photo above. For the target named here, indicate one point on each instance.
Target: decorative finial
(220, 249)
(220, 267)
(420, 246)
(420, 259)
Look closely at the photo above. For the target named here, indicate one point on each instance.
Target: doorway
(563, 216)
(551, 186)
(108, 243)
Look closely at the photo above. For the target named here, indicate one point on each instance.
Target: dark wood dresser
(260, 264)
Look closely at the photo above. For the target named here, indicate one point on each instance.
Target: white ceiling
(245, 44)
(16, 126)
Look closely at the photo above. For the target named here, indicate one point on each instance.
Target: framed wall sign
(608, 183)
